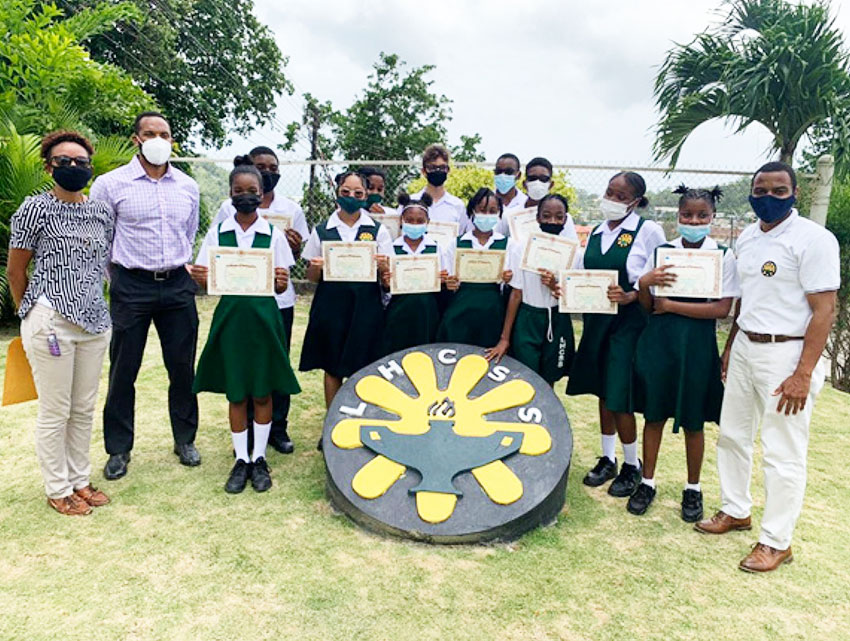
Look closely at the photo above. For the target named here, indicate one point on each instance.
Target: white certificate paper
(281, 221)
(522, 222)
(391, 221)
(549, 252)
(699, 272)
(240, 272)
(479, 265)
(444, 233)
(585, 291)
(351, 262)
(414, 274)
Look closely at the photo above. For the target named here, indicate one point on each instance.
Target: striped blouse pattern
(71, 245)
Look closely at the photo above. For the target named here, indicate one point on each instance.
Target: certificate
(414, 274)
(522, 222)
(391, 221)
(352, 262)
(444, 233)
(585, 291)
(549, 252)
(699, 272)
(281, 221)
(479, 265)
(240, 272)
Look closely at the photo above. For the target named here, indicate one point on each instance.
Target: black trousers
(280, 402)
(136, 299)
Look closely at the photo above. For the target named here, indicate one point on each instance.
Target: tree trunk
(786, 153)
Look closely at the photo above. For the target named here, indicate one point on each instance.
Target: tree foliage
(780, 64)
(838, 348)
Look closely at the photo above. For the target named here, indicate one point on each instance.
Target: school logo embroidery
(768, 269)
(625, 240)
(436, 443)
(365, 236)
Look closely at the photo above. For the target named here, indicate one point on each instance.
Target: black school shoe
(280, 441)
(691, 506)
(261, 480)
(640, 501)
(603, 471)
(627, 481)
(238, 477)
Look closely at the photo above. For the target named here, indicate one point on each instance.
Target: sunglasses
(430, 168)
(67, 161)
(543, 179)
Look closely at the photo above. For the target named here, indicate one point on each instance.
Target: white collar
(493, 237)
(781, 227)
(426, 242)
(336, 221)
(259, 226)
(629, 223)
(707, 243)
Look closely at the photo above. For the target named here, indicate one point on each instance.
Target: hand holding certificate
(585, 291)
(522, 222)
(414, 274)
(350, 262)
(699, 272)
(240, 272)
(479, 265)
(444, 233)
(548, 252)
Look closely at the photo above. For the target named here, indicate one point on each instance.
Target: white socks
(240, 445)
(630, 453)
(693, 486)
(261, 439)
(609, 445)
(649, 482)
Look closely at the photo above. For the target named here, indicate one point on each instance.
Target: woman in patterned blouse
(65, 324)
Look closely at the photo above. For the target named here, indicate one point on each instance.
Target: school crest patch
(365, 235)
(768, 269)
(625, 240)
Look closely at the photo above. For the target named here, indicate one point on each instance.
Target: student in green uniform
(245, 355)
(476, 311)
(376, 184)
(346, 318)
(677, 362)
(604, 361)
(541, 338)
(412, 319)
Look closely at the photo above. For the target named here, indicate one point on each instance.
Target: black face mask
(552, 228)
(246, 203)
(269, 181)
(72, 178)
(437, 178)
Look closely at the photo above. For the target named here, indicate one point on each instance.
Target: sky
(570, 80)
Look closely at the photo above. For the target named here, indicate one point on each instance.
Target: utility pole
(312, 118)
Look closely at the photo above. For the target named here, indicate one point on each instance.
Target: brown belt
(770, 338)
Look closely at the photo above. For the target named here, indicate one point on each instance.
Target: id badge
(53, 344)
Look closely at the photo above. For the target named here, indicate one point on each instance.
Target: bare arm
(715, 309)
(733, 332)
(16, 271)
(501, 347)
(314, 270)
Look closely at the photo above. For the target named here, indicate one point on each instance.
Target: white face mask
(156, 151)
(613, 210)
(537, 189)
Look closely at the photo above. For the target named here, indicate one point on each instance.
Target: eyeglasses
(67, 161)
(510, 171)
(430, 168)
(357, 193)
(543, 179)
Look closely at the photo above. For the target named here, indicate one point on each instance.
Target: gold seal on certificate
(549, 252)
(479, 265)
(350, 261)
(699, 272)
(391, 221)
(522, 222)
(585, 291)
(414, 274)
(281, 221)
(444, 233)
(240, 272)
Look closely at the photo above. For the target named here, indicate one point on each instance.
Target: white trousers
(755, 371)
(67, 392)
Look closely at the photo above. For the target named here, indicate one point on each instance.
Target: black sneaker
(281, 442)
(626, 482)
(691, 506)
(604, 470)
(238, 477)
(261, 480)
(640, 501)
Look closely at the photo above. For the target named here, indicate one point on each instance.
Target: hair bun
(426, 199)
(681, 189)
(242, 160)
(403, 198)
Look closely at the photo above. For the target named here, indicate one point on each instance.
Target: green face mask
(349, 204)
(374, 199)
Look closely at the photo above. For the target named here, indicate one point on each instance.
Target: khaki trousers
(67, 392)
(755, 371)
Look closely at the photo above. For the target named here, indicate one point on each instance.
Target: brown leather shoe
(92, 496)
(70, 506)
(764, 558)
(721, 523)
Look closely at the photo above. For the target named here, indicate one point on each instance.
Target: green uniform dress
(604, 362)
(476, 312)
(678, 369)
(245, 355)
(543, 340)
(411, 319)
(346, 319)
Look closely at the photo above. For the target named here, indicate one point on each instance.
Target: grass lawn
(174, 557)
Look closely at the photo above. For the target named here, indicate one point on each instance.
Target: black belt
(771, 338)
(158, 276)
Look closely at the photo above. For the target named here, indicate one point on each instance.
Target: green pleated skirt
(549, 353)
(411, 320)
(475, 316)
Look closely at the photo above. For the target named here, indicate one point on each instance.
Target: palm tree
(769, 61)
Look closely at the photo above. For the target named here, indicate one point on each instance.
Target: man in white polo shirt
(789, 272)
(446, 208)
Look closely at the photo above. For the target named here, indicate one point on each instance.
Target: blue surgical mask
(485, 222)
(504, 183)
(770, 208)
(413, 232)
(694, 233)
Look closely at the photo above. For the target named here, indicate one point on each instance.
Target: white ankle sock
(630, 453)
(649, 482)
(693, 486)
(240, 444)
(261, 439)
(609, 447)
